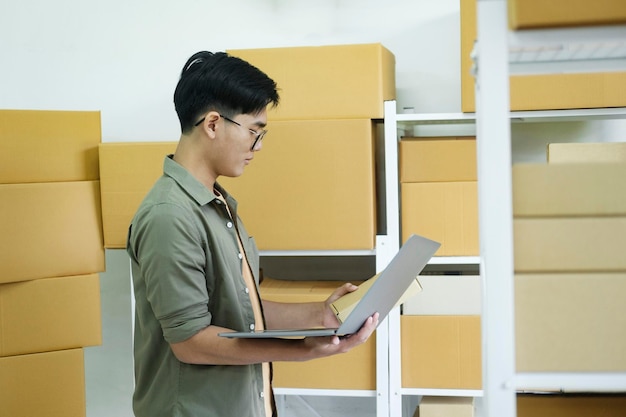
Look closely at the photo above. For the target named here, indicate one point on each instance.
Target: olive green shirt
(187, 275)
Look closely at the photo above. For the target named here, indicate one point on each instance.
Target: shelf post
(495, 210)
(389, 400)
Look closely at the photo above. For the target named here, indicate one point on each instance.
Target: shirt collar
(187, 182)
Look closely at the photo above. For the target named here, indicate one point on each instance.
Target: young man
(195, 268)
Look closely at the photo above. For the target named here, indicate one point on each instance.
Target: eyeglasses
(258, 134)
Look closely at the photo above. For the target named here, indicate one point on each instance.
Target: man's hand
(329, 319)
(326, 346)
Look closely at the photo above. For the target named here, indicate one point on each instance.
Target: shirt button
(262, 394)
(229, 225)
(247, 291)
(240, 256)
(252, 326)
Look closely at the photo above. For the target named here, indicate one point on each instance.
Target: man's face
(241, 136)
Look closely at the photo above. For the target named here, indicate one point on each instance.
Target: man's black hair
(221, 82)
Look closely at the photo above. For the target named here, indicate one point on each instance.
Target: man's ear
(210, 125)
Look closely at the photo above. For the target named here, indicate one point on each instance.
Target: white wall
(123, 57)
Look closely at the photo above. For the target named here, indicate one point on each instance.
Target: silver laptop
(381, 297)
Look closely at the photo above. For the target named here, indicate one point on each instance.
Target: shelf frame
(493, 151)
(394, 121)
(567, 50)
(313, 392)
(520, 116)
(492, 55)
(439, 392)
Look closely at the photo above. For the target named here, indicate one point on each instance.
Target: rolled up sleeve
(173, 265)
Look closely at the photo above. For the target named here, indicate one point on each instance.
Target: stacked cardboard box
(569, 227)
(439, 193)
(320, 152)
(549, 91)
(440, 327)
(313, 185)
(319, 155)
(50, 254)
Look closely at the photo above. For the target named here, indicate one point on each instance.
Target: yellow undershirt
(256, 308)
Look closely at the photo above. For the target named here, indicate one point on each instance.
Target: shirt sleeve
(172, 260)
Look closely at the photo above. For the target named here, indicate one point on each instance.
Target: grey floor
(108, 368)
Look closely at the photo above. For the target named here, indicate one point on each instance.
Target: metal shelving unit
(395, 123)
(492, 126)
(498, 53)
(386, 247)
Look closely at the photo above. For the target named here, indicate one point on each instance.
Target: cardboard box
(441, 352)
(446, 295)
(50, 314)
(284, 291)
(355, 370)
(327, 82)
(527, 14)
(312, 187)
(570, 322)
(570, 405)
(344, 305)
(50, 230)
(569, 244)
(445, 407)
(50, 384)
(587, 152)
(541, 92)
(48, 146)
(127, 172)
(586, 189)
(438, 159)
(446, 212)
